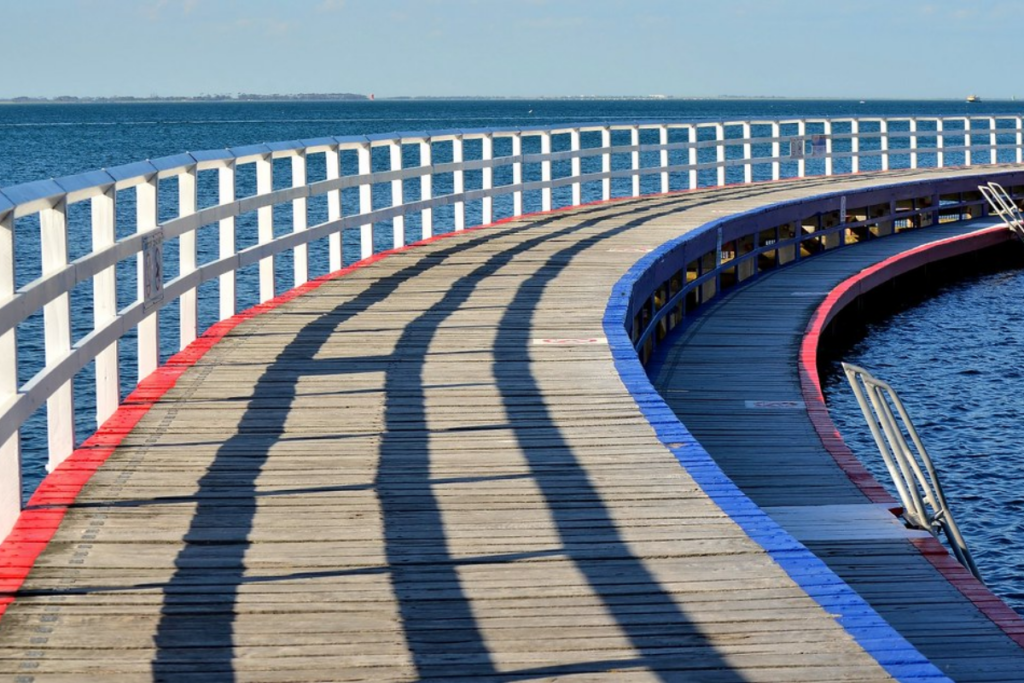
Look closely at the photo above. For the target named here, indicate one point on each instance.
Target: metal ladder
(908, 463)
(1004, 206)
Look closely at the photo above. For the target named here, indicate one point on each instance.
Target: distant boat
(973, 98)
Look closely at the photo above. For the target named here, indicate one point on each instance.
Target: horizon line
(359, 97)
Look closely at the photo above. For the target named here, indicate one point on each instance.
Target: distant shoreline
(354, 97)
(305, 97)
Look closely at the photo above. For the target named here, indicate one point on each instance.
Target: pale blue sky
(793, 48)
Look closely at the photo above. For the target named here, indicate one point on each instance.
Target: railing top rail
(33, 196)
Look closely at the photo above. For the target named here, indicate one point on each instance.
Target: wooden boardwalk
(394, 478)
(745, 348)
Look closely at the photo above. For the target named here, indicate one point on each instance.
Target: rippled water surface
(956, 361)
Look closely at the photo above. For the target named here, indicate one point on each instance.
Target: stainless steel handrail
(908, 462)
(1007, 209)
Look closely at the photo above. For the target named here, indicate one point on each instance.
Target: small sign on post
(818, 147)
(796, 148)
(152, 270)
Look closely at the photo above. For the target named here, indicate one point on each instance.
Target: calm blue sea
(956, 373)
(960, 377)
(44, 140)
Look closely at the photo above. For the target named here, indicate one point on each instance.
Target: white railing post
(459, 183)
(365, 200)
(188, 309)
(104, 305)
(663, 157)
(332, 159)
(634, 138)
(968, 143)
(801, 162)
(606, 163)
(691, 155)
(426, 188)
(940, 159)
(149, 328)
(883, 142)
(265, 224)
(855, 146)
(913, 143)
(827, 132)
(748, 153)
(300, 219)
(776, 150)
(10, 450)
(517, 174)
(487, 180)
(397, 198)
(60, 411)
(720, 152)
(226, 238)
(574, 145)
(545, 170)
(993, 155)
(1019, 120)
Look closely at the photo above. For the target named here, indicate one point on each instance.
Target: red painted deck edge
(987, 602)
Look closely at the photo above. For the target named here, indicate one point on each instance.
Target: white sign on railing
(152, 271)
(796, 148)
(818, 146)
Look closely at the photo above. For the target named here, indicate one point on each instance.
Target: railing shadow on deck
(212, 632)
(173, 660)
(170, 663)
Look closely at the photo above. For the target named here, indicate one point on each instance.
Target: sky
(913, 49)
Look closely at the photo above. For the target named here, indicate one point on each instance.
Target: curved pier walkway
(733, 377)
(427, 469)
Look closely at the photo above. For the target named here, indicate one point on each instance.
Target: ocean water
(46, 140)
(49, 140)
(954, 362)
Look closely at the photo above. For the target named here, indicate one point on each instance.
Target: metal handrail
(908, 462)
(1007, 209)
(659, 314)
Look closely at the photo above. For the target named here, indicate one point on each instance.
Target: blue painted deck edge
(876, 636)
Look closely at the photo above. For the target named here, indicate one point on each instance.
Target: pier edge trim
(878, 638)
(847, 292)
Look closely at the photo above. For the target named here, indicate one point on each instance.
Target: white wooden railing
(404, 186)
